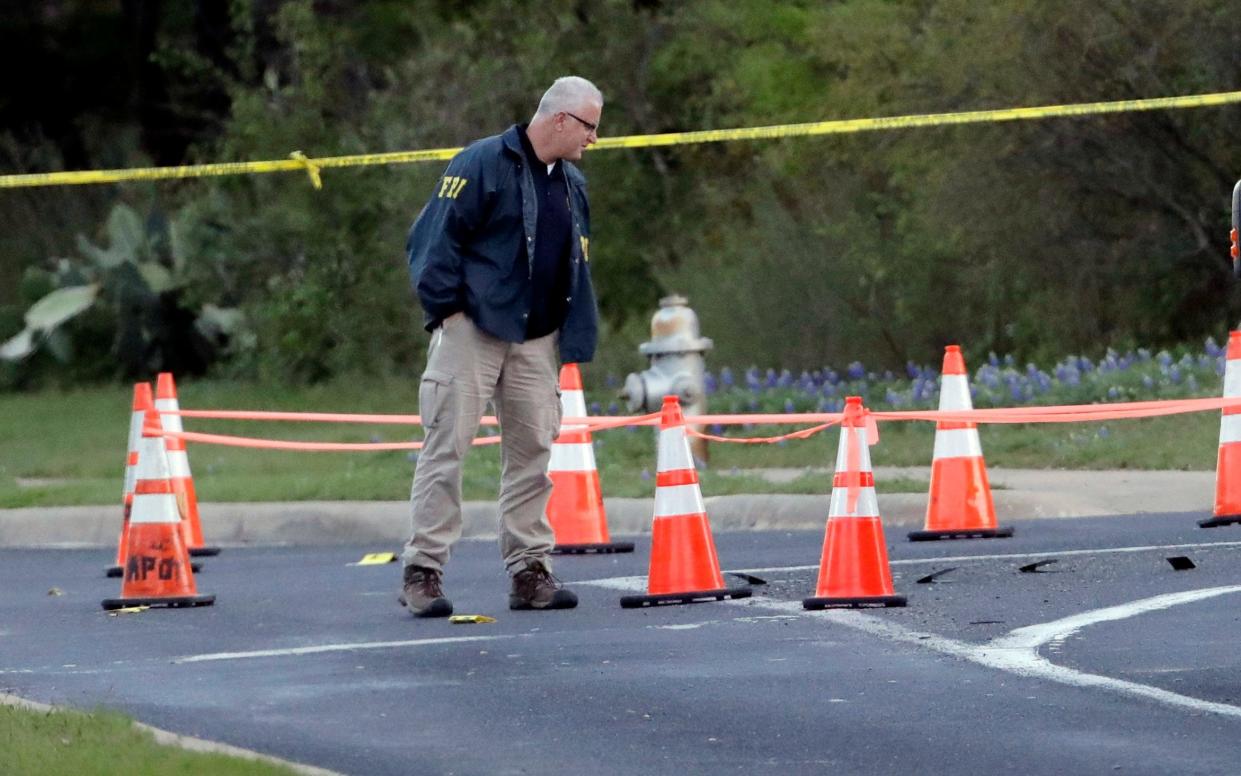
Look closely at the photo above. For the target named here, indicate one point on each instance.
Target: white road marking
(1016, 652)
(294, 651)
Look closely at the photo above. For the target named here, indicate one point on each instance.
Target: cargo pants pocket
(434, 398)
(557, 415)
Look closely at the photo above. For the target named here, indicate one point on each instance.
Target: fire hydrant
(677, 365)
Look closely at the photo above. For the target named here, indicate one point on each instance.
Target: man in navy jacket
(499, 258)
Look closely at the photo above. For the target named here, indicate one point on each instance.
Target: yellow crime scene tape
(313, 167)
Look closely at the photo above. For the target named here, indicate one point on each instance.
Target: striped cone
(1228, 464)
(684, 567)
(960, 505)
(157, 566)
(179, 465)
(575, 508)
(142, 402)
(854, 570)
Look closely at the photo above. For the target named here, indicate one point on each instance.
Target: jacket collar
(512, 142)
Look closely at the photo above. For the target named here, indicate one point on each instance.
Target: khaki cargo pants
(466, 368)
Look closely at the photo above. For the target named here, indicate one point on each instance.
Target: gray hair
(566, 94)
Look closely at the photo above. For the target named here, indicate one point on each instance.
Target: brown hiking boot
(422, 593)
(534, 587)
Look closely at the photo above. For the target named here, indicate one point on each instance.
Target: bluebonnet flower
(856, 371)
(726, 377)
(708, 383)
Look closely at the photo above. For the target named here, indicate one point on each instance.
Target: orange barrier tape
(1071, 413)
(1068, 413)
(309, 447)
(320, 417)
(343, 447)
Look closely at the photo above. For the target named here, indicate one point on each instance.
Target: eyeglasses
(590, 127)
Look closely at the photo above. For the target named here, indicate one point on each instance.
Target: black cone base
(171, 601)
(584, 549)
(1218, 520)
(853, 603)
(636, 601)
(202, 552)
(962, 533)
(117, 571)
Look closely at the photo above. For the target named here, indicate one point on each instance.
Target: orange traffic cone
(141, 403)
(157, 567)
(575, 508)
(960, 506)
(1228, 465)
(179, 465)
(684, 567)
(854, 569)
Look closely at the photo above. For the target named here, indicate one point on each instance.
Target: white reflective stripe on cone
(1229, 429)
(957, 443)
(168, 422)
(152, 460)
(178, 463)
(572, 405)
(154, 508)
(678, 500)
(135, 438)
(867, 503)
(575, 457)
(954, 393)
(673, 451)
(842, 452)
(1232, 379)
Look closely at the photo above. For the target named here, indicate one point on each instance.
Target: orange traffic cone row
(1228, 464)
(960, 505)
(684, 567)
(575, 508)
(854, 570)
(141, 403)
(179, 466)
(157, 566)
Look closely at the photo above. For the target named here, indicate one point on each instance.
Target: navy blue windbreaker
(466, 247)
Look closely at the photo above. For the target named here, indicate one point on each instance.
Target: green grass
(62, 448)
(37, 743)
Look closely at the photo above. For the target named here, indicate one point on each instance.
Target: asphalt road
(1106, 661)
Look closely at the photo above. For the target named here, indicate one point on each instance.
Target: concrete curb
(1018, 493)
